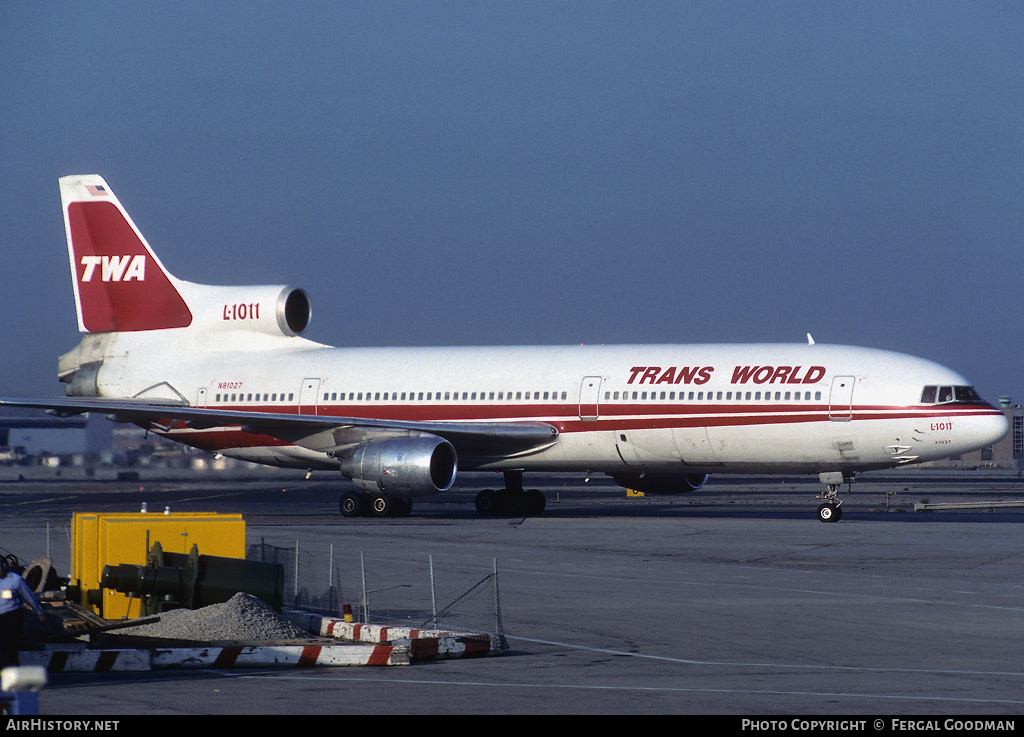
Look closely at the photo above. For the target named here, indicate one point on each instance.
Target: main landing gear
(360, 504)
(832, 510)
(512, 499)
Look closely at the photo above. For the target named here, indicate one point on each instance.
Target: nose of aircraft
(986, 430)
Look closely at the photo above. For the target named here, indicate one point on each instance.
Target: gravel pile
(243, 617)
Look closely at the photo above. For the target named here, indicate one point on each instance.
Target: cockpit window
(967, 394)
(946, 394)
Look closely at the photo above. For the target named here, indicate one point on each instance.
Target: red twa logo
(115, 268)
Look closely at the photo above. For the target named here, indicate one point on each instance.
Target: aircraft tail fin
(120, 285)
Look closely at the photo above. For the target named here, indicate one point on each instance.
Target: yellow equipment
(110, 539)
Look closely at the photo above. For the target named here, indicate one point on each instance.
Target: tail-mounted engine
(274, 310)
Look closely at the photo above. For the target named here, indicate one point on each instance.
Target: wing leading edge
(323, 433)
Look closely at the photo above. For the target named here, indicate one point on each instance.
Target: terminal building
(29, 431)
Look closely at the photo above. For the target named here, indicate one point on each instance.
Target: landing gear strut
(512, 499)
(832, 510)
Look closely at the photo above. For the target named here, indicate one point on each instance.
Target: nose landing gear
(832, 510)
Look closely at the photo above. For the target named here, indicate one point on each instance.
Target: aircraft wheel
(515, 502)
(403, 507)
(535, 502)
(830, 513)
(352, 504)
(382, 506)
(487, 502)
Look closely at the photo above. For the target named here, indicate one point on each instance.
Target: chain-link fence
(424, 594)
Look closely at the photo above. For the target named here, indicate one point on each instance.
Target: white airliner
(225, 369)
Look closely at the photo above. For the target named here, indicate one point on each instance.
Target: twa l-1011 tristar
(225, 369)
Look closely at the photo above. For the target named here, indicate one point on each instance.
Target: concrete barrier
(247, 656)
(424, 644)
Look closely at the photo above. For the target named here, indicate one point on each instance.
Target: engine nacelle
(273, 310)
(405, 467)
(661, 483)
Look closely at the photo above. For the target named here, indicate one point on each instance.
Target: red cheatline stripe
(712, 416)
(510, 412)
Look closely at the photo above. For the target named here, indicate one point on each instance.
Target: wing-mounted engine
(661, 483)
(413, 466)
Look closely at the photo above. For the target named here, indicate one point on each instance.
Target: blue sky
(480, 173)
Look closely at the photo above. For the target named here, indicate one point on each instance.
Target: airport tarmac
(730, 600)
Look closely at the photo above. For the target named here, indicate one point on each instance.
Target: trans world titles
(740, 374)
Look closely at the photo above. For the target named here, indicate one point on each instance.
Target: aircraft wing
(324, 433)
